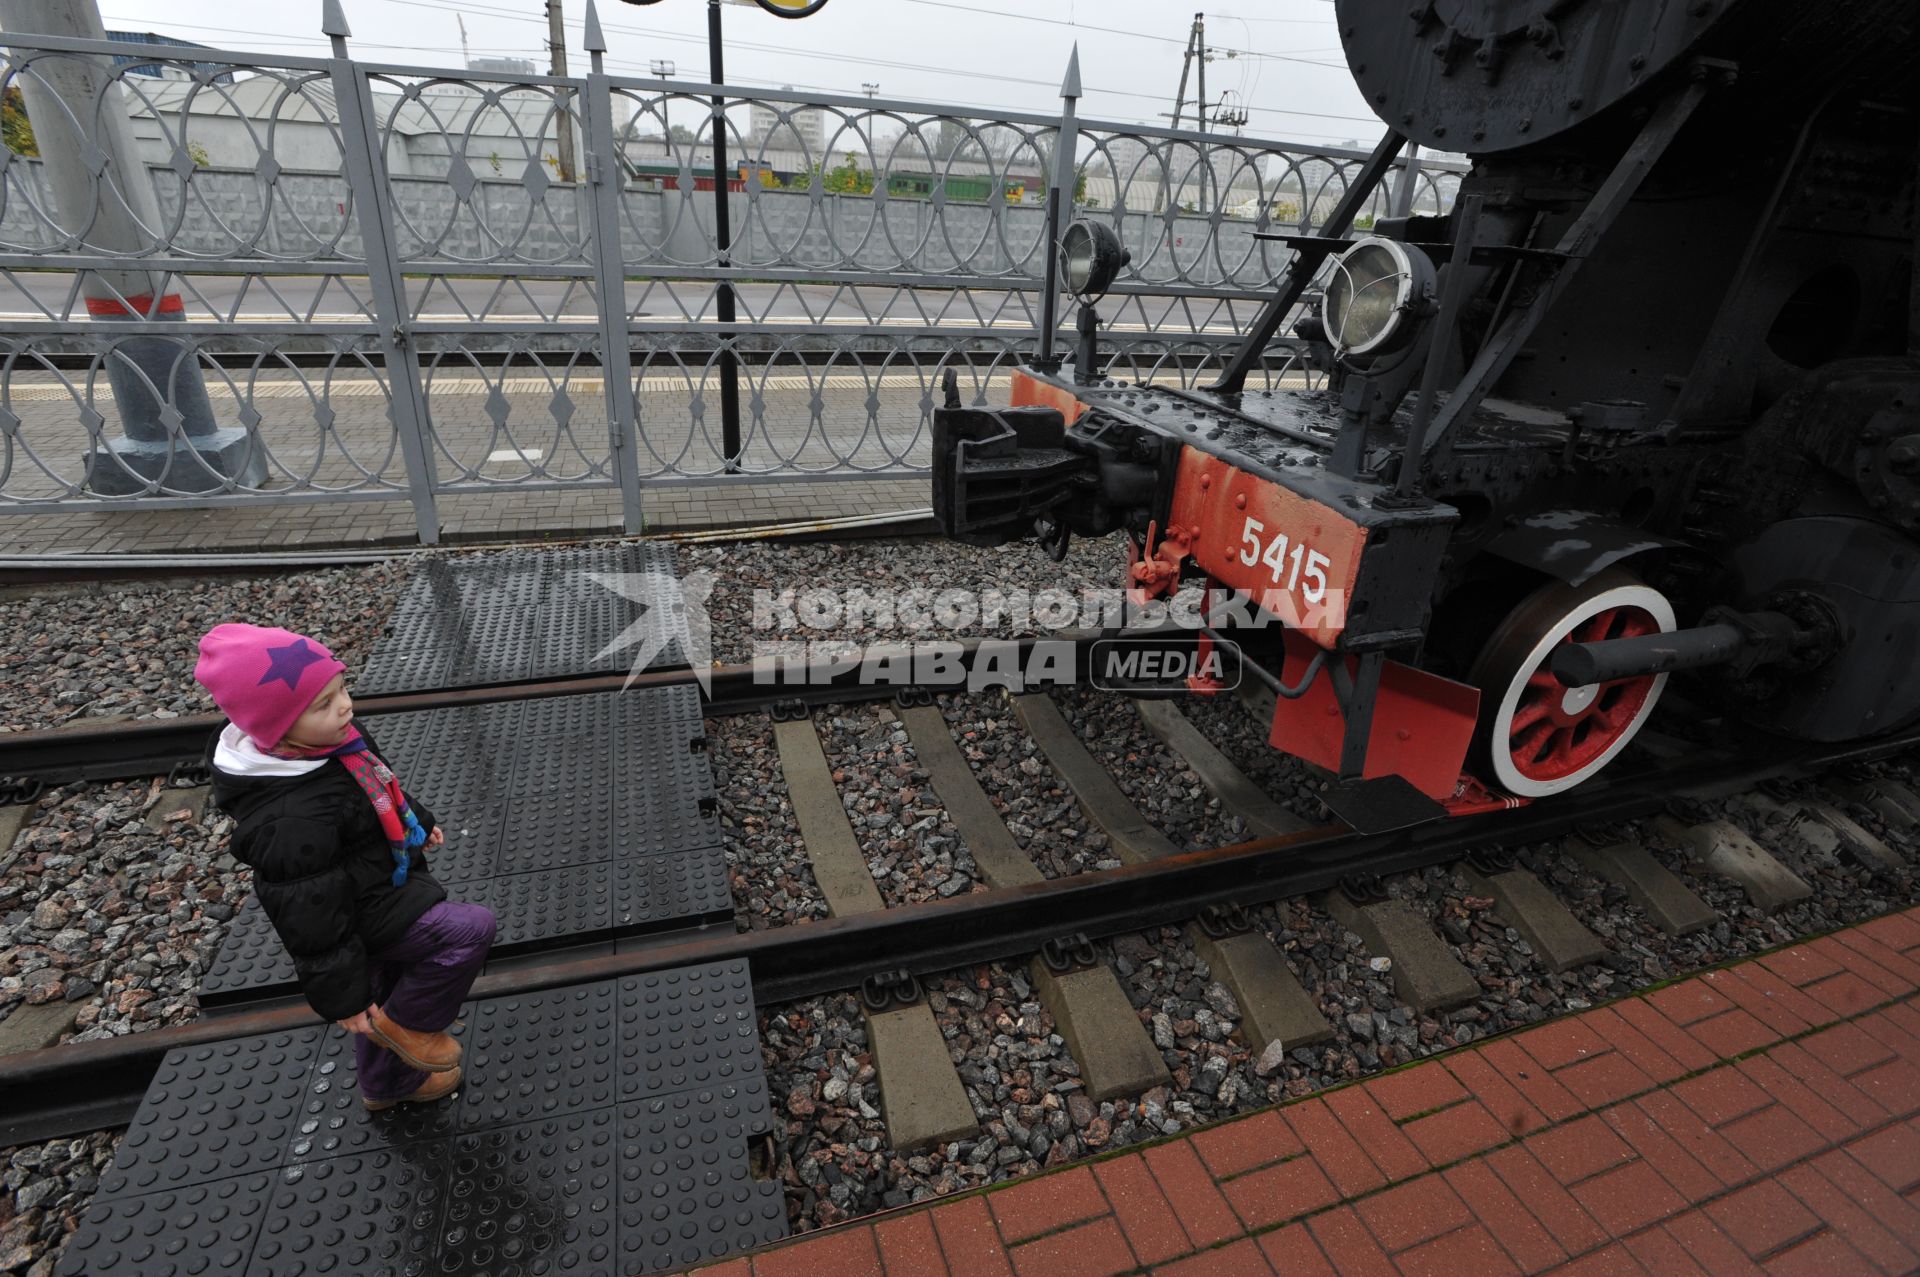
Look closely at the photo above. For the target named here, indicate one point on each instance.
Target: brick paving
(1764, 1117)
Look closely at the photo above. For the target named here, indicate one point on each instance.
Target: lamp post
(722, 224)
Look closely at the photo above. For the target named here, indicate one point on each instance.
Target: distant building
(165, 70)
(423, 134)
(797, 129)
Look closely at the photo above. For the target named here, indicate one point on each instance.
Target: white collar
(237, 755)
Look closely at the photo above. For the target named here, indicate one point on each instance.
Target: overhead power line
(512, 15)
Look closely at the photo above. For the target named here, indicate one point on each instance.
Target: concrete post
(103, 196)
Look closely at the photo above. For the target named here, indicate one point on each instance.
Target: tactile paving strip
(659, 893)
(685, 1197)
(203, 1230)
(250, 958)
(213, 1112)
(573, 818)
(541, 1055)
(378, 1214)
(687, 1029)
(332, 1122)
(576, 900)
(533, 1199)
(601, 1129)
(526, 614)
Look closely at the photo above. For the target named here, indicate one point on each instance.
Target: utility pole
(466, 58)
(1186, 67)
(1200, 52)
(557, 53)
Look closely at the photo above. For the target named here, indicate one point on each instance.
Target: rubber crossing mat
(574, 818)
(519, 615)
(598, 1130)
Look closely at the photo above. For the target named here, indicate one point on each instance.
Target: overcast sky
(1280, 59)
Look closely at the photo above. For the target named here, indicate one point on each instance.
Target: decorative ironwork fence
(294, 279)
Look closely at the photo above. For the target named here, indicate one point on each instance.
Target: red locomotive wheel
(1540, 738)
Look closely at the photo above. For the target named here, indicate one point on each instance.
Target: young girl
(337, 851)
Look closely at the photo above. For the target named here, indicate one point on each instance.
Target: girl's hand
(436, 838)
(362, 1023)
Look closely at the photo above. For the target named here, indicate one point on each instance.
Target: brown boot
(431, 1052)
(439, 1086)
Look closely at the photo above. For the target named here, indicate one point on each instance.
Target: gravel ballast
(73, 653)
(773, 884)
(1037, 807)
(116, 897)
(835, 1157)
(912, 848)
(1155, 780)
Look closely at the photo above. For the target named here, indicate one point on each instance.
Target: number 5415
(1304, 568)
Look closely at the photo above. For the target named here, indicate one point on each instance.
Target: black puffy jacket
(324, 873)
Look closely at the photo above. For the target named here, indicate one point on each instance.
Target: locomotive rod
(1762, 636)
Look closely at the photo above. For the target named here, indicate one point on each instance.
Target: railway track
(1056, 943)
(76, 1087)
(150, 747)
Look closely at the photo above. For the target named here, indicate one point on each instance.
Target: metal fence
(296, 279)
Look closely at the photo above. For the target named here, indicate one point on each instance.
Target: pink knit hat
(263, 677)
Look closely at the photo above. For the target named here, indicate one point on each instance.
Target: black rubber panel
(214, 1112)
(527, 614)
(208, 1230)
(251, 959)
(602, 1129)
(687, 1029)
(573, 818)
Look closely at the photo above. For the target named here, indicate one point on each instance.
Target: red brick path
(1758, 1118)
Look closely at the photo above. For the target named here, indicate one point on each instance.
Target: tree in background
(848, 179)
(15, 128)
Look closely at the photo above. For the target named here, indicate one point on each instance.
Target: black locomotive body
(1646, 399)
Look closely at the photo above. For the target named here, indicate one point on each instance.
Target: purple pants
(420, 984)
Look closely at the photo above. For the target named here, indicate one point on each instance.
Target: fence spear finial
(1070, 87)
(333, 20)
(596, 41)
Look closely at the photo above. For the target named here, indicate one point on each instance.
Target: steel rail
(76, 1087)
(152, 747)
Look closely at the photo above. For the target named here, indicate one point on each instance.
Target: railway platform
(1764, 1116)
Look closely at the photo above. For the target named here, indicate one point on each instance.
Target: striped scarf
(382, 789)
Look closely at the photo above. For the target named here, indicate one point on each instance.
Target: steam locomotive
(1645, 400)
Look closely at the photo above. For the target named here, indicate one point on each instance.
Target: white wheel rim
(1510, 777)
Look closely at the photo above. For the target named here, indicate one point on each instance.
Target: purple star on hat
(289, 663)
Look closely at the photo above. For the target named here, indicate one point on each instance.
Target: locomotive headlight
(1090, 259)
(1377, 292)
